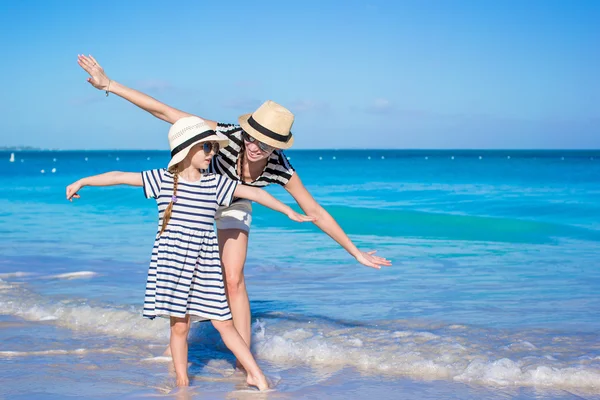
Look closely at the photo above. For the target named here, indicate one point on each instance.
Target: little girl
(185, 279)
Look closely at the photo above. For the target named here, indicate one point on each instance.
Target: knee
(222, 326)
(180, 329)
(235, 284)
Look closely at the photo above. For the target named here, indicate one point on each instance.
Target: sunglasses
(263, 146)
(210, 146)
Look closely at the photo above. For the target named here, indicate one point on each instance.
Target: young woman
(254, 157)
(185, 278)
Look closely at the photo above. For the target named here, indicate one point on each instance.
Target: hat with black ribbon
(271, 123)
(187, 132)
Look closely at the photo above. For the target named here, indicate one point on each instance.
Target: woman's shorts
(237, 216)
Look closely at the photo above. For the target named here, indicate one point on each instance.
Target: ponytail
(167, 216)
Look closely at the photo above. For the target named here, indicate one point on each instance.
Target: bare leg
(238, 347)
(233, 245)
(180, 328)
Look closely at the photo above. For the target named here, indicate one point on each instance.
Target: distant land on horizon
(19, 148)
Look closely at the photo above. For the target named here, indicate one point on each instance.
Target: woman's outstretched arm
(328, 225)
(107, 179)
(101, 81)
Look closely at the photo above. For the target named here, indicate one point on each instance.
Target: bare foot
(167, 352)
(183, 380)
(259, 381)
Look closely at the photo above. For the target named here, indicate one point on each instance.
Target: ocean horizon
(494, 290)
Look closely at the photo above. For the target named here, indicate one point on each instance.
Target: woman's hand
(294, 216)
(72, 190)
(368, 259)
(98, 78)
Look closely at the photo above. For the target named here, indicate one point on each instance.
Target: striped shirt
(185, 275)
(197, 202)
(278, 169)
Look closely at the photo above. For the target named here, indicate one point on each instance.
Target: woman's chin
(254, 157)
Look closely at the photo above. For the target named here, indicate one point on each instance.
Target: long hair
(167, 216)
(242, 155)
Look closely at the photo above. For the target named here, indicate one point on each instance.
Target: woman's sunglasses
(263, 146)
(210, 146)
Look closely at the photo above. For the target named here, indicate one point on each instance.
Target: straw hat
(271, 124)
(187, 132)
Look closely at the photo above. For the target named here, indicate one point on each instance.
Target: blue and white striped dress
(185, 275)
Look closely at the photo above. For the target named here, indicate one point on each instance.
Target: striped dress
(185, 275)
(278, 169)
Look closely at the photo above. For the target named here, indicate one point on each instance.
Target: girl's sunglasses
(210, 146)
(263, 146)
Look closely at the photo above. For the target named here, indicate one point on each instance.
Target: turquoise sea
(494, 290)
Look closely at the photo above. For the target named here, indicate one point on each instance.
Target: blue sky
(378, 74)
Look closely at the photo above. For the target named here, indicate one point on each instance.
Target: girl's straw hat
(271, 124)
(187, 132)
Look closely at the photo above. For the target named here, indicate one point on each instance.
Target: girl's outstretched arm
(107, 179)
(101, 81)
(262, 197)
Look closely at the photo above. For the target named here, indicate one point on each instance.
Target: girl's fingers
(301, 217)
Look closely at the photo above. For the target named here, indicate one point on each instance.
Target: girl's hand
(294, 216)
(368, 259)
(98, 78)
(72, 190)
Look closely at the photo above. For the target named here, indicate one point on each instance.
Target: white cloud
(380, 106)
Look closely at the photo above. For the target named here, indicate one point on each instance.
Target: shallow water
(494, 292)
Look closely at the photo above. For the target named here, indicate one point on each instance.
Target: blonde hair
(167, 216)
